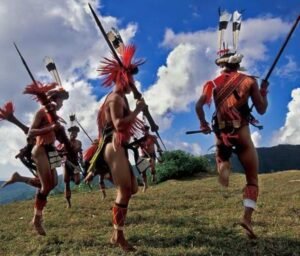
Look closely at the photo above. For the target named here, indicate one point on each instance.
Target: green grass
(186, 217)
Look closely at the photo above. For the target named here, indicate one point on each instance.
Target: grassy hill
(187, 217)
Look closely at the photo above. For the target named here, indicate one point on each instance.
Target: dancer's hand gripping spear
(137, 95)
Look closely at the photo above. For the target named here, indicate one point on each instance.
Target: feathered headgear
(51, 90)
(73, 126)
(6, 111)
(120, 74)
(225, 54)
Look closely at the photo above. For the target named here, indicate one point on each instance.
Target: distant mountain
(16, 192)
(21, 191)
(271, 159)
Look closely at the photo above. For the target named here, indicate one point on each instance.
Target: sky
(177, 38)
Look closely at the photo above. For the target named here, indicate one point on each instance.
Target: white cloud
(66, 31)
(191, 62)
(290, 70)
(256, 138)
(290, 132)
(193, 148)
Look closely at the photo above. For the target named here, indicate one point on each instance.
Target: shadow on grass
(222, 241)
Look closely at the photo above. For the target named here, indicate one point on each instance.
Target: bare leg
(48, 180)
(144, 176)
(248, 157)
(224, 169)
(223, 164)
(76, 178)
(126, 185)
(102, 186)
(67, 191)
(16, 177)
(153, 171)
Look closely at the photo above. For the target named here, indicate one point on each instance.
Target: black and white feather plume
(236, 27)
(51, 67)
(223, 22)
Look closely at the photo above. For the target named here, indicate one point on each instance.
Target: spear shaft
(25, 64)
(136, 93)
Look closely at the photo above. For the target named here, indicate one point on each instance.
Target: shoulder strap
(228, 88)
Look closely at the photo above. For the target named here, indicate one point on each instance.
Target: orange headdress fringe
(121, 75)
(39, 90)
(7, 110)
(128, 130)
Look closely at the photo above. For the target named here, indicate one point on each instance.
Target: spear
(193, 132)
(42, 97)
(25, 64)
(280, 52)
(72, 119)
(136, 93)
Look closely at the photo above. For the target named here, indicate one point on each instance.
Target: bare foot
(89, 178)
(103, 194)
(16, 177)
(248, 228)
(118, 239)
(37, 225)
(145, 188)
(68, 203)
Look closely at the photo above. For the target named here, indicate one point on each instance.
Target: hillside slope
(187, 217)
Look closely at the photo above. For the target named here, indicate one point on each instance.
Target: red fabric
(226, 137)
(7, 110)
(89, 152)
(222, 52)
(209, 86)
(251, 192)
(128, 130)
(208, 91)
(119, 216)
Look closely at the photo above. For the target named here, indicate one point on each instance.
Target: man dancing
(71, 172)
(116, 125)
(231, 91)
(147, 151)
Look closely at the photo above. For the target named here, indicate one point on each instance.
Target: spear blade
(25, 64)
(105, 35)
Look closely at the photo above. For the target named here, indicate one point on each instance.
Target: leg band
(119, 212)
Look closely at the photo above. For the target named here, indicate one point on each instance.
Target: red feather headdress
(121, 75)
(44, 92)
(6, 111)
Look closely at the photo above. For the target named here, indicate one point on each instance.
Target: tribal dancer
(231, 91)
(147, 151)
(71, 172)
(116, 125)
(44, 154)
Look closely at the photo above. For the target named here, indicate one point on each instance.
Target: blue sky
(178, 40)
(153, 17)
